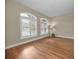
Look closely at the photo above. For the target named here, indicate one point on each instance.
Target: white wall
(64, 25)
(13, 10)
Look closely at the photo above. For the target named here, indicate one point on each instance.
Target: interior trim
(64, 36)
(14, 45)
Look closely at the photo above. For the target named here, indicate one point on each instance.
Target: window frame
(21, 29)
(44, 28)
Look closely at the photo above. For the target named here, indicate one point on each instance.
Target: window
(43, 26)
(28, 25)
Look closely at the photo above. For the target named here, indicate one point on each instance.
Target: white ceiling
(50, 7)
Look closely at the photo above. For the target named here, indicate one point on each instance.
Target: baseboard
(64, 36)
(11, 46)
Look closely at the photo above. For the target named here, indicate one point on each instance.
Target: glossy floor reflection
(48, 48)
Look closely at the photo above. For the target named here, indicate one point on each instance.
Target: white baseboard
(14, 45)
(64, 36)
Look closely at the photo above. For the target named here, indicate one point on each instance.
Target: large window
(43, 26)
(28, 25)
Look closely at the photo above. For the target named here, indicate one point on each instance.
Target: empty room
(39, 29)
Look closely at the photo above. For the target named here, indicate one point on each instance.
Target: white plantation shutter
(43, 26)
(28, 25)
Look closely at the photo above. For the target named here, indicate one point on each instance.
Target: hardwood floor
(48, 48)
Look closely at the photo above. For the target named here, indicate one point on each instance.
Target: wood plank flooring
(48, 48)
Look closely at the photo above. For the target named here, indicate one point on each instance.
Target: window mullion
(30, 26)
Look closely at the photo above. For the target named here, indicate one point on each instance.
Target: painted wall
(64, 25)
(13, 10)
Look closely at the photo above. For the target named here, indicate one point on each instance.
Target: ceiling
(50, 7)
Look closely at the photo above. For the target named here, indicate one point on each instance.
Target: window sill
(28, 37)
